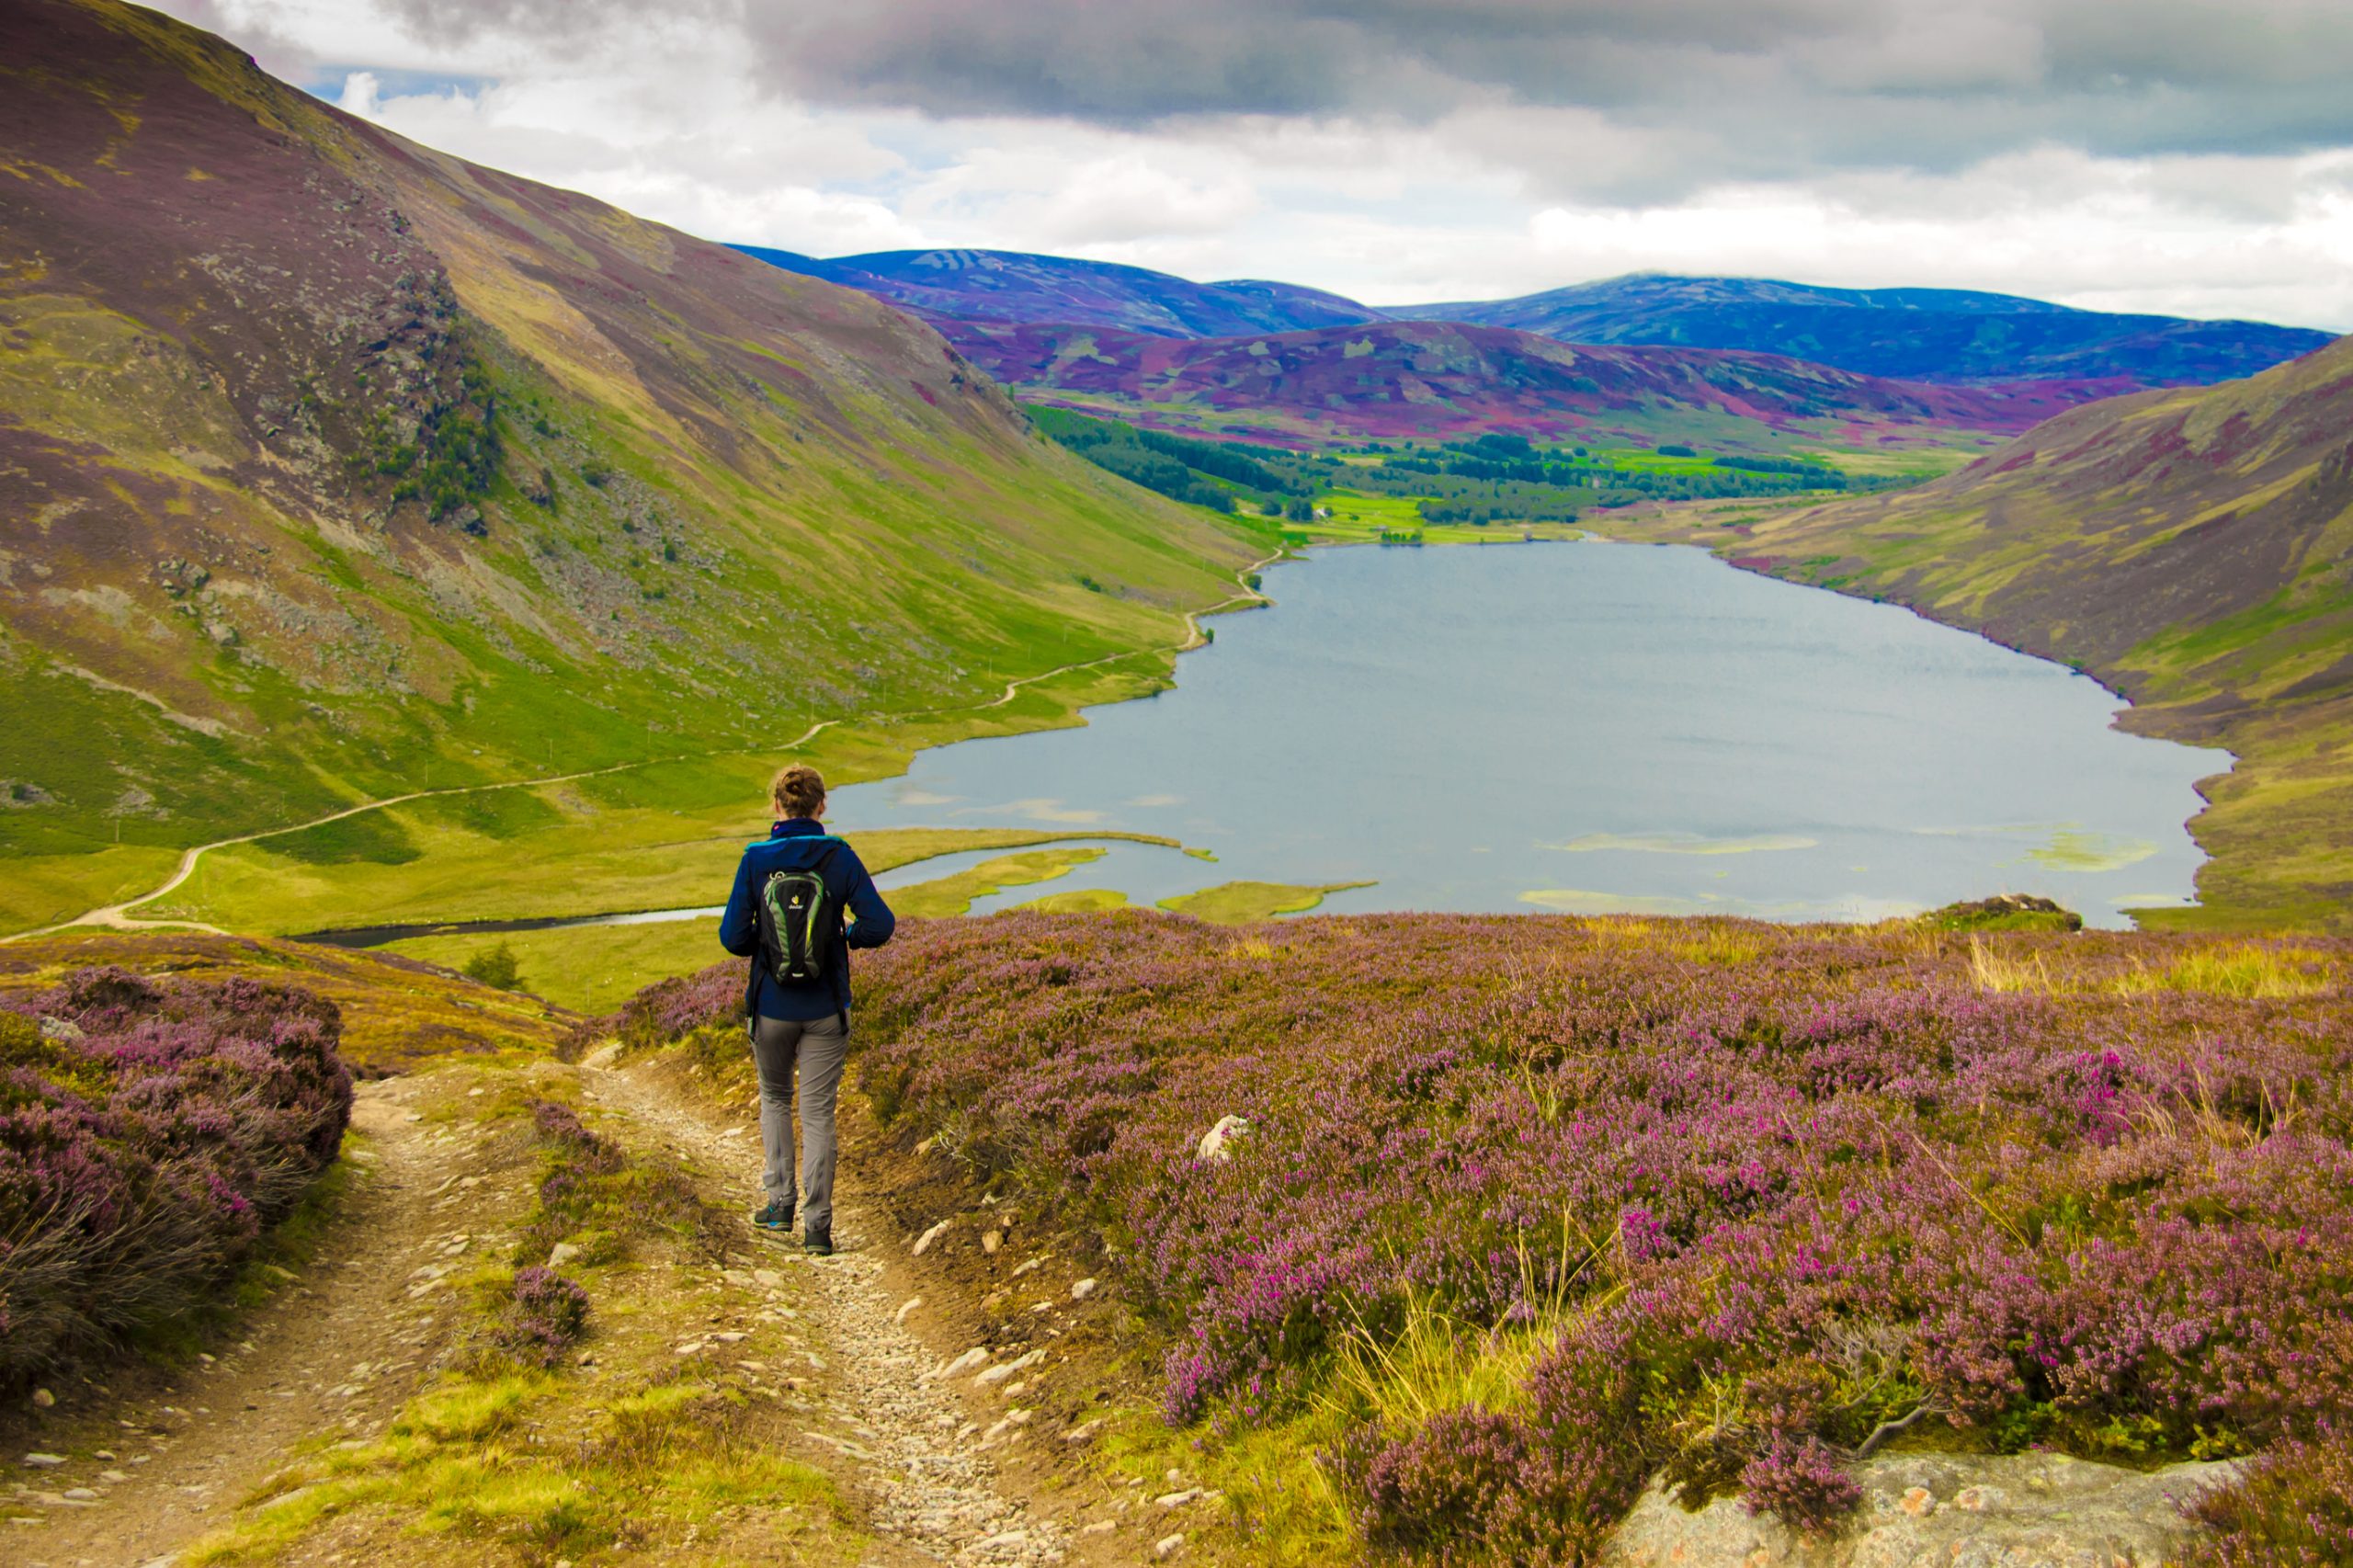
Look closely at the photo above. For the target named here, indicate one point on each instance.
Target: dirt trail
(923, 1459)
(341, 1347)
(945, 1470)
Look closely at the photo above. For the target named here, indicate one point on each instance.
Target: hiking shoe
(817, 1240)
(776, 1216)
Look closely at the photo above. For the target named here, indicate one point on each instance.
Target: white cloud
(2047, 147)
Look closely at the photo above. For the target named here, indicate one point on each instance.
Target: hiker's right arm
(739, 927)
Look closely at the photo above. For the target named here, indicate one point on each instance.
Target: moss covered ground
(1238, 903)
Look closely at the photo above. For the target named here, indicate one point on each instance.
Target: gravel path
(919, 1456)
(340, 1347)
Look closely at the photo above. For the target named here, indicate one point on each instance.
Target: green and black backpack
(801, 923)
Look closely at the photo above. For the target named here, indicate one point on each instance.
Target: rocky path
(945, 1469)
(920, 1455)
(339, 1349)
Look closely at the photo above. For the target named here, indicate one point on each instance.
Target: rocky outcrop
(1952, 1510)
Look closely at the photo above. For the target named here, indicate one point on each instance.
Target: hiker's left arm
(872, 921)
(739, 927)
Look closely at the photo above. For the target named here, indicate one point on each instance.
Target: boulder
(1215, 1141)
(1952, 1510)
(2004, 912)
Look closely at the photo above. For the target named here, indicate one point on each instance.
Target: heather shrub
(542, 1317)
(595, 1196)
(2293, 1510)
(1780, 1194)
(148, 1133)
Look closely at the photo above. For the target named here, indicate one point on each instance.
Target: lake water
(1588, 727)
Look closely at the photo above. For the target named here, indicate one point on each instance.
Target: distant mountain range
(1925, 335)
(1429, 379)
(1945, 335)
(1012, 285)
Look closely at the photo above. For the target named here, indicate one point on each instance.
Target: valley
(495, 482)
(1682, 919)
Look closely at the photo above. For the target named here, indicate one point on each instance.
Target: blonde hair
(799, 791)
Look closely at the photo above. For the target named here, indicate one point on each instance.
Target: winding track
(118, 916)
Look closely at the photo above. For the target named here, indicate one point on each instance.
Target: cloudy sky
(2188, 157)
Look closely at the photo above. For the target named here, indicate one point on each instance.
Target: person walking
(785, 914)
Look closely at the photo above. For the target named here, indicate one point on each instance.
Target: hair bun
(799, 791)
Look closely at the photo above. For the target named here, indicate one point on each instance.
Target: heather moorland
(1521, 1212)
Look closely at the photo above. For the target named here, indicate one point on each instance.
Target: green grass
(954, 895)
(43, 889)
(1356, 518)
(589, 969)
(1078, 900)
(1234, 904)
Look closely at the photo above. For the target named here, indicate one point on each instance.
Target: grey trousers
(816, 1048)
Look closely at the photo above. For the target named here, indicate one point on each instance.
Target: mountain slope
(1016, 286)
(331, 465)
(2192, 549)
(1932, 334)
(1427, 379)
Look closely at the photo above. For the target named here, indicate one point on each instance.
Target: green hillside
(2193, 550)
(333, 468)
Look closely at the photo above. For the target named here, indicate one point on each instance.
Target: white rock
(1215, 1141)
(975, 1357)
(1168, 1546)
(922, 1242)
(43, 1398)
(1100, 1527)
(1083, 1431)
(1005, 1370)
(44, 1461)
(1179, 1499)
(991, 1241)
(562, 1254)
(1083, 1289)
(906, 1307)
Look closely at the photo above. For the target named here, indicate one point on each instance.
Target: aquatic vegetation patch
(1238, 903)
(1685, 843)
(2072, 849)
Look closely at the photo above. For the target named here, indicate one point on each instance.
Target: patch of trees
(1189, 468)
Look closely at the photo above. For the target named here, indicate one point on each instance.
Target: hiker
(786, 915)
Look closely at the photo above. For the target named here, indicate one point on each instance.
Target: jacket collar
(798, 827)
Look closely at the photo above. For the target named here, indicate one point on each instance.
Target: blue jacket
(798, 845)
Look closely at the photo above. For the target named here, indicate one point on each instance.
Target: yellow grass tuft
(1994, 972)
(2246, 970)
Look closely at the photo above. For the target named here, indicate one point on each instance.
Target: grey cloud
(1742, 88)
(564, 26)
